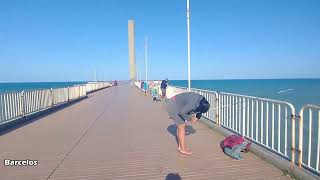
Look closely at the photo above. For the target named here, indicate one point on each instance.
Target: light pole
(140, 72)
(146, 56)
(137, 75)
(188, 26)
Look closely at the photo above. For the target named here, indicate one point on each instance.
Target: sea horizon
(160, 79)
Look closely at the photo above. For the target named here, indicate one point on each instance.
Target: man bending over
(183, 107)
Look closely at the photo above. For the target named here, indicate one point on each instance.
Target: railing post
(68, 94)
(300, 137)
(217, 110)
(22, 101)
(243, 117)
(52, 97)
(293, 148)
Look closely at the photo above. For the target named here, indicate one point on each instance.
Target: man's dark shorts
(173, 112)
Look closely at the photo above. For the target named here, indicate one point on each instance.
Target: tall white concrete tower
(132, 61)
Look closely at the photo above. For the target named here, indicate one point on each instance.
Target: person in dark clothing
(163, 86)
(141, 86)
(183, 107)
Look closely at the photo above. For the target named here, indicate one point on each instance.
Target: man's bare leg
(177, 137)
(181, 136)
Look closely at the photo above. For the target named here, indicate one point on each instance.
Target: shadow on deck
(120, 134)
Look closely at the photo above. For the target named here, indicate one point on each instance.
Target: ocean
(295, 91)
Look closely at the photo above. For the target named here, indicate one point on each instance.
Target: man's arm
(198, 115)
(195, 118)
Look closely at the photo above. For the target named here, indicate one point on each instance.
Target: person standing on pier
(163, 86)
(183, 107)
(145, 87)
(141, 86)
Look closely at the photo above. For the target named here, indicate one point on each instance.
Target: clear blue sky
(66, 40)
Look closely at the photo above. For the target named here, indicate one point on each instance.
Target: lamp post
(146, 56)
(140, 73)
(137, 73)
(188, 32)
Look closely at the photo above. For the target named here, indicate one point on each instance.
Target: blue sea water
(296, 91)
(14, 87)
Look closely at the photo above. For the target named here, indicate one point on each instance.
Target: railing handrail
(245, 96)
(204, 90)
(313, 106)
(259, 98)
(13, 91)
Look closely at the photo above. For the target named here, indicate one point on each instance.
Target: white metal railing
(96, 86)
(212, 98)
(310, 116)
(60, 95)
(36, 100)
(11, 105)
(14, 105)
(137, 84)
(267, 122)
(174, 90)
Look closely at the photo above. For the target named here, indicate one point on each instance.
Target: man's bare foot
(188, 149)
(187, 152)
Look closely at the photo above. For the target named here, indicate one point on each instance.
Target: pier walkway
(117, 133)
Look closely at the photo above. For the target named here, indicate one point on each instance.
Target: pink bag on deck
(234, 140)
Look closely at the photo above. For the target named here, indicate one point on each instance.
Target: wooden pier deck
(117, 133)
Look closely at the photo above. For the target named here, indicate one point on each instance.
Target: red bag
(234, 140)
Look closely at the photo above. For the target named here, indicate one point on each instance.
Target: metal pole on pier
(140, 72)
(146, 57)
(188, 31)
